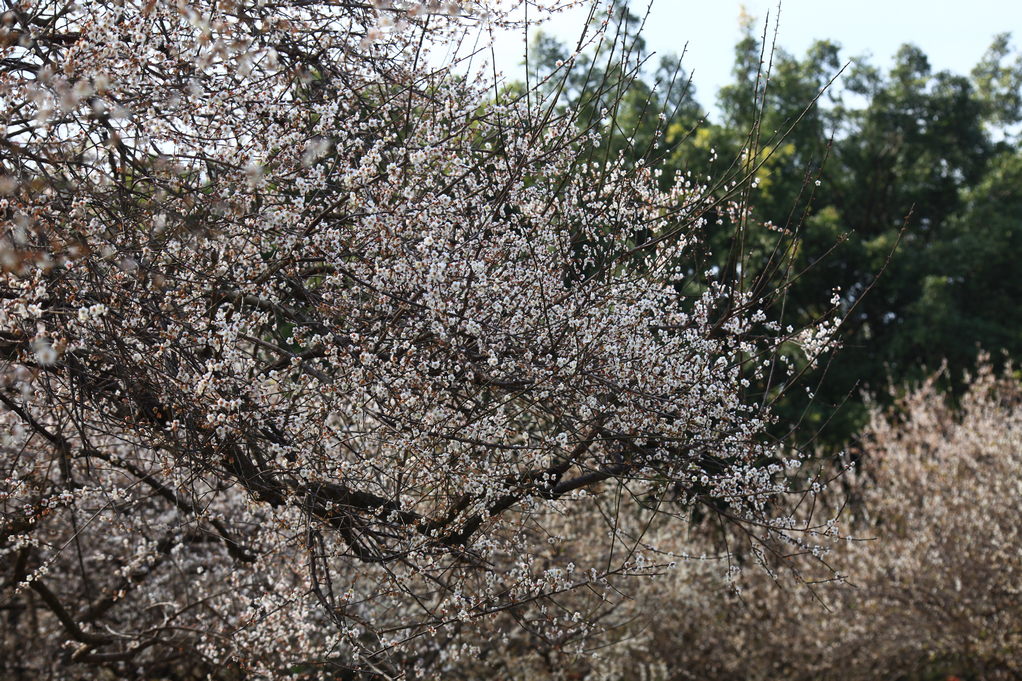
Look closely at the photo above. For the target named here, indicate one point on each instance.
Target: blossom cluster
(313, 359)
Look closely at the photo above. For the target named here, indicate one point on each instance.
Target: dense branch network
(317, 358)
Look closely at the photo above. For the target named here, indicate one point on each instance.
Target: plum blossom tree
(316, 358)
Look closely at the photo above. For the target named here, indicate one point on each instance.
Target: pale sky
(954, 35)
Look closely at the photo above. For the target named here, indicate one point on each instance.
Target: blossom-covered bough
(319, 360)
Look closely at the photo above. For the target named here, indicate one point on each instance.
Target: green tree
(904, 173)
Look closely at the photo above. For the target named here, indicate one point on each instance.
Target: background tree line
(909, 180)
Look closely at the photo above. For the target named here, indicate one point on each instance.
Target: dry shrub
(932, 576)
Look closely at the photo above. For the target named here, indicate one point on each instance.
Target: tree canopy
(319, 361)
